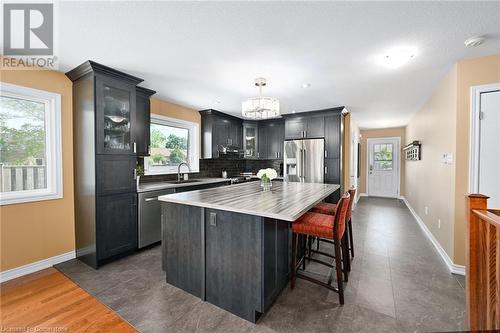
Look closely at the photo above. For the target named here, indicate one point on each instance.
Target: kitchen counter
(230, 246)
(153, 186)
(287, 201)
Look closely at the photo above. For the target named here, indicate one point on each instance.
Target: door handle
(135, 173)
(304, 163)
(151, 199)
(135, 147)
(326, 170)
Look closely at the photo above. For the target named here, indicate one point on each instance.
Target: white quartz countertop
(287, 201)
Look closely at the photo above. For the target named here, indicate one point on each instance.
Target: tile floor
(398, 283)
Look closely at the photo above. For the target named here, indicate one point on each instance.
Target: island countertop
(287, 201)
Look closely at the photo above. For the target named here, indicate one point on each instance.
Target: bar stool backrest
(352, 193)
(340, 216)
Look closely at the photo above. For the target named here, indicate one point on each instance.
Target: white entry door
(489, 147)
(383, 167)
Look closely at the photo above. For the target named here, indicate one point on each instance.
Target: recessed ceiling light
(396, 57)
(306, 85)
(474, 41)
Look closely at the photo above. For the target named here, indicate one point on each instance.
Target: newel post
(475, 248)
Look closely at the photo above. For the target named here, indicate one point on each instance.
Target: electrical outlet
(213, 219)
(439, 223)
(426, 210)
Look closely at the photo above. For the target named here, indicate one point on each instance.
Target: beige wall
(474, 72)
(429, 182)
(443, 124)
(379, 133)
(168, 109)
(34, 231)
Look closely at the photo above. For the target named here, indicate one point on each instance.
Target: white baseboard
(363, 195)
(35, 266)
(455, 269)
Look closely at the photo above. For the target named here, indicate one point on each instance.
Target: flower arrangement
(265, 176)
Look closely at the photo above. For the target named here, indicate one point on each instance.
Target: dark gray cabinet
(315, 127)
(304, 127)
(219, 130)
(115, 174)
(271, 137)
(105, 128)
(115, 115)
(250, 139)
(295, 128)
(116, 225)
(143, 120)
(332, 136)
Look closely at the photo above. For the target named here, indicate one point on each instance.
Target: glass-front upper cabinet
(250, 138)
(116, 116)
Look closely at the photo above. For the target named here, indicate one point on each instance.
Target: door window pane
(22, 145)
(382, 156)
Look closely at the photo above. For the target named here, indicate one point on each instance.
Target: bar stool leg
(294, 260)
(304, 251)
(338, 268)
(351, 241)
(309, 245)
(345, 257)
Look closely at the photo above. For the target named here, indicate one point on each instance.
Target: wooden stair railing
(483, 264)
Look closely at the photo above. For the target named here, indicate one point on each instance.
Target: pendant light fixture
(260, 107)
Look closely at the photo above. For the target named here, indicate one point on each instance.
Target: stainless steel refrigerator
(304, 161)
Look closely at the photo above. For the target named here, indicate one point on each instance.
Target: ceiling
(207, 54)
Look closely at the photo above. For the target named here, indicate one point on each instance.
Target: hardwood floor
(50, 302)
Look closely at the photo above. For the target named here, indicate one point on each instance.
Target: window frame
(53, 145)
(193, 147)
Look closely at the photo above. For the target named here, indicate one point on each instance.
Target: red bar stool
(329, 227)
(330, 209)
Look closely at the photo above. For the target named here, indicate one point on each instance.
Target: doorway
(485, 142)
(383, 167)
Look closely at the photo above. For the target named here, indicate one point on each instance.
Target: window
(30, 145)
(173, 142)
(382, 156)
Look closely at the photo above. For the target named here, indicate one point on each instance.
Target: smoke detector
(474, 41)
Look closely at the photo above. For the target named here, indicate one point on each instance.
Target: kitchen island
(231, 245)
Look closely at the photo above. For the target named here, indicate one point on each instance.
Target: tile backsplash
(212, 168)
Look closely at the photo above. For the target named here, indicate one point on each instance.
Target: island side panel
(276, 258)
(234, 262)
(182, 251)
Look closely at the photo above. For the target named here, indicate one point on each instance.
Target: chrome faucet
(179, 170)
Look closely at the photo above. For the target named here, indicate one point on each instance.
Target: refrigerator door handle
(304, 164)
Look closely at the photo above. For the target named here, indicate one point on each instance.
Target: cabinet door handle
(326, 170)
(151, 199)
(135, 147)
(326, 153)
(135, 173)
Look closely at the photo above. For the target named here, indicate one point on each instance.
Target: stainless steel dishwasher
(150, 217)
